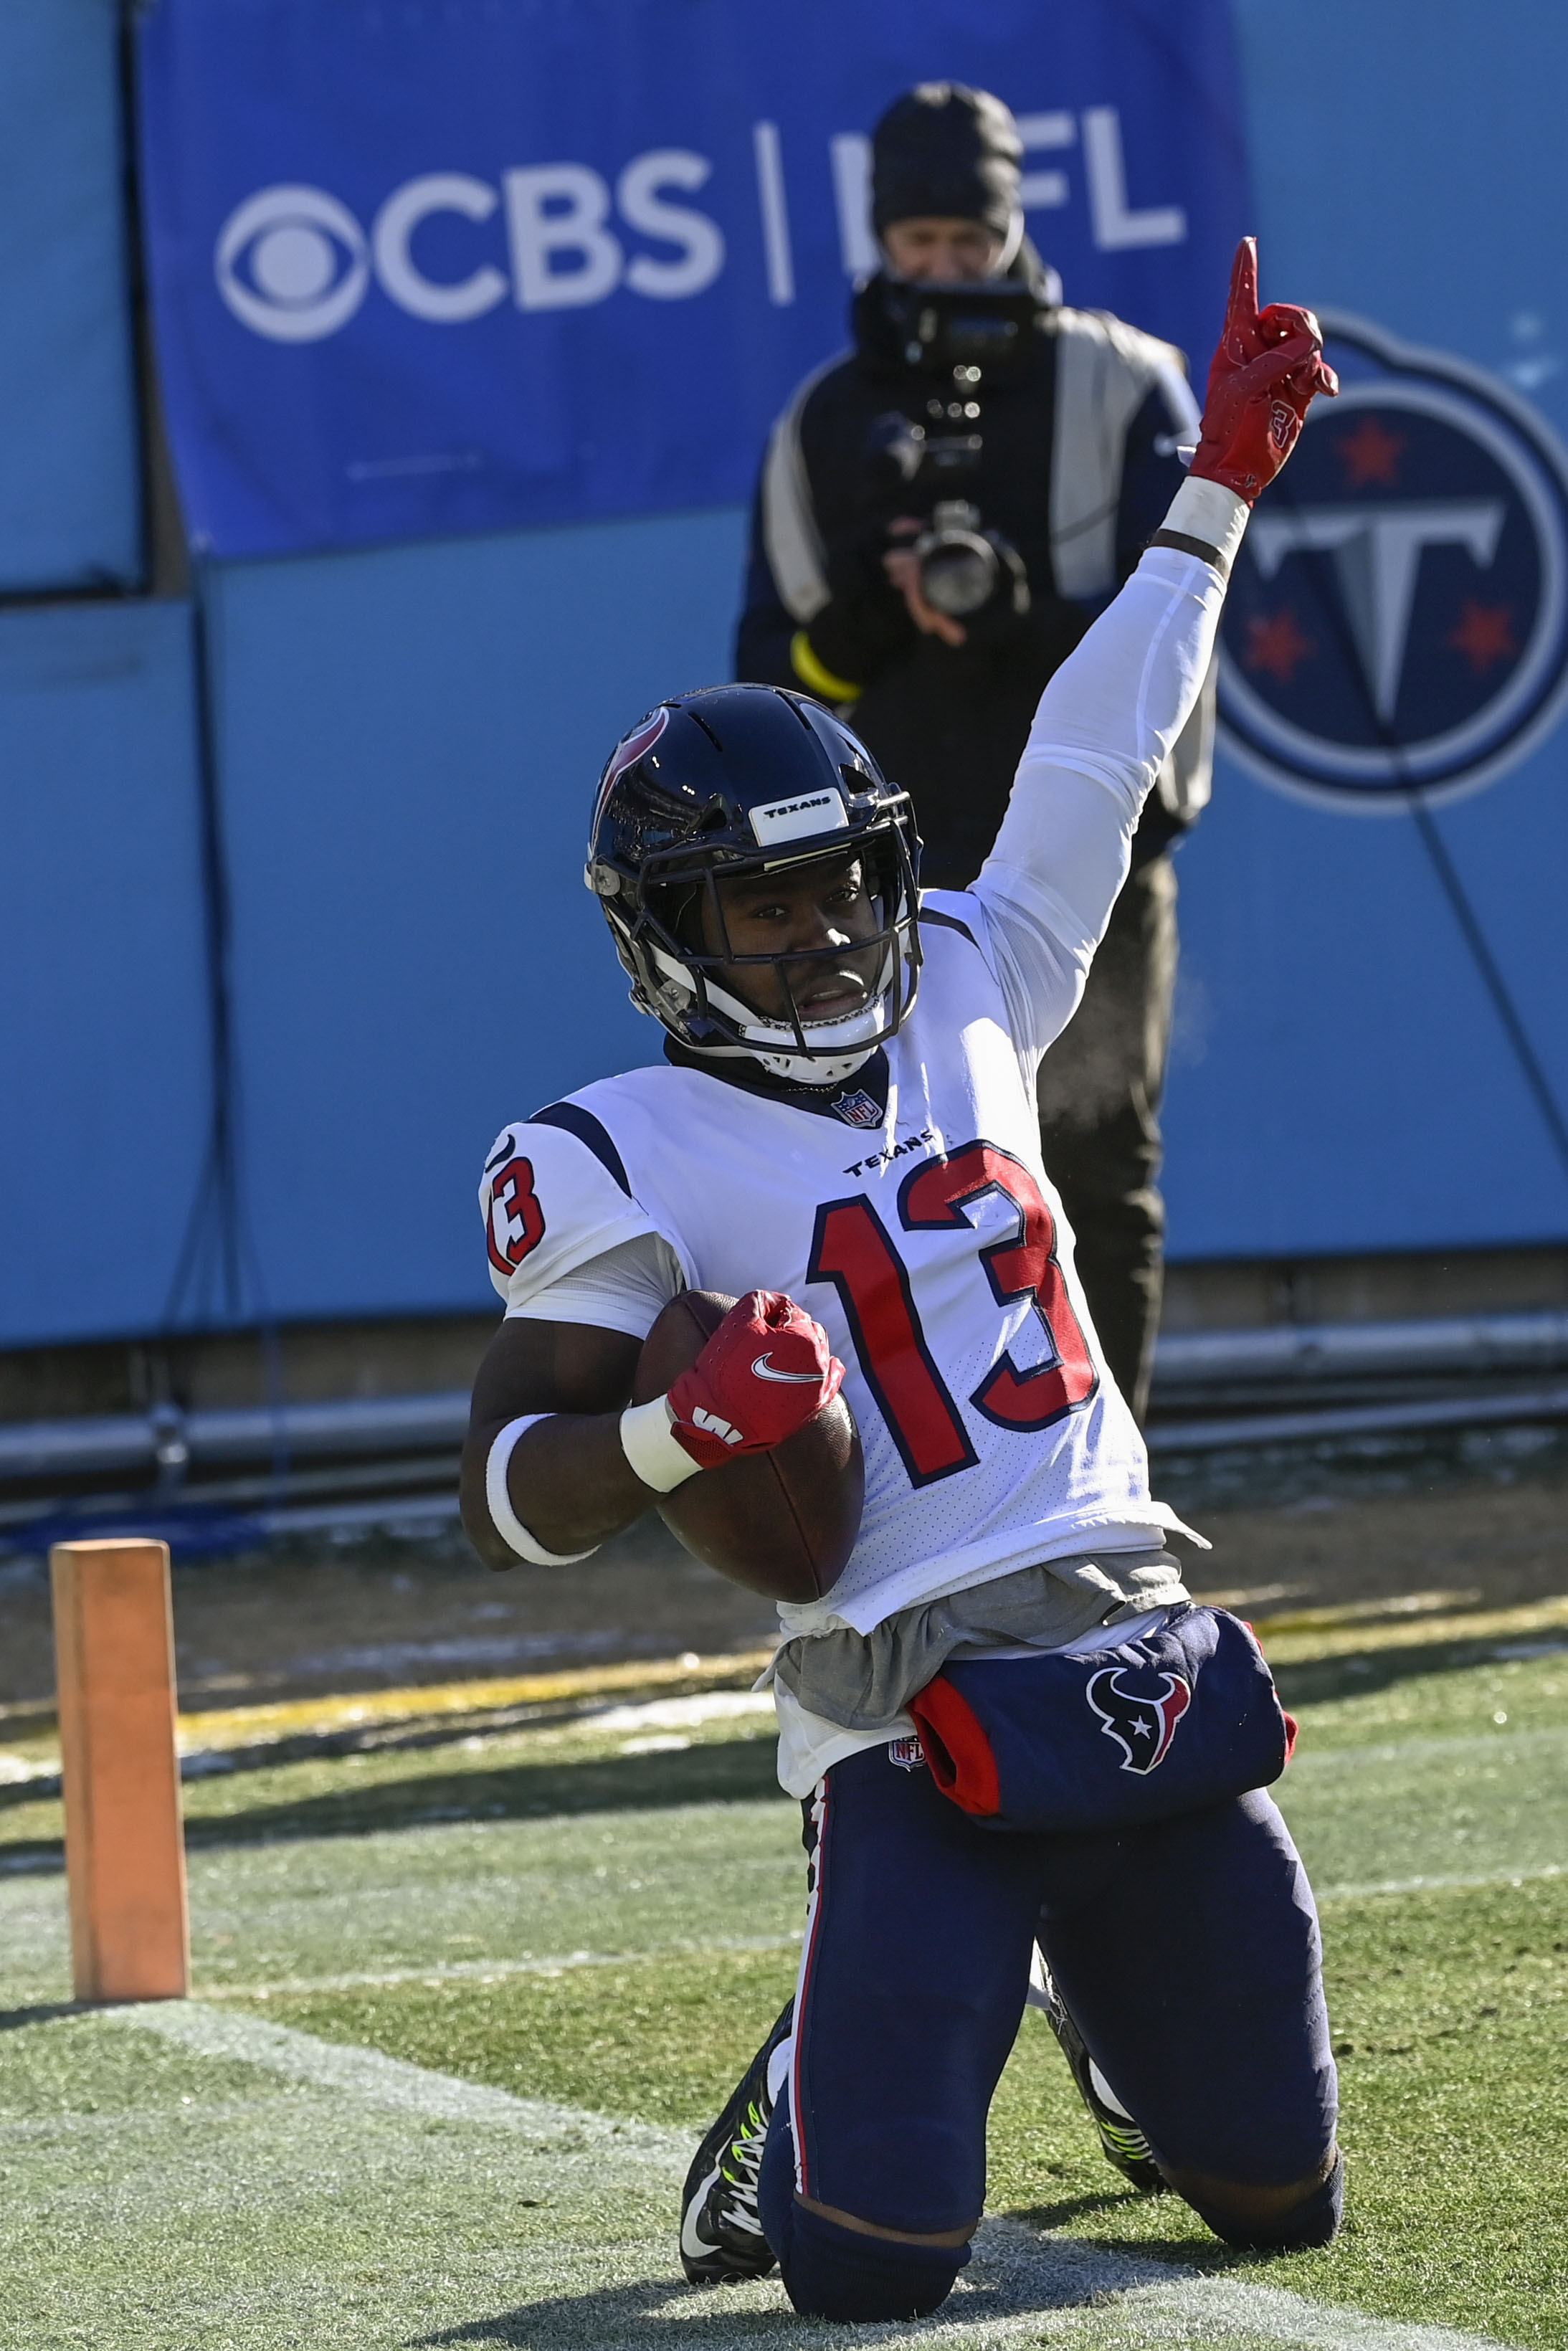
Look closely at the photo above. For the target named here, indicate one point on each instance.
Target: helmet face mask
(739, 783)
(758, 996)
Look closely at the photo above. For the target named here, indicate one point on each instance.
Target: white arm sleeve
(553, 1203)
(1105, 722)
(623, 1290)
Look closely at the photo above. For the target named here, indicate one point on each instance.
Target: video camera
(968, 338)
(963, 567)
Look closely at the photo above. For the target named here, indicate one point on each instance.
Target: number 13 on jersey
(852, 1248)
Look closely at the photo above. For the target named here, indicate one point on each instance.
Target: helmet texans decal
(1142, 1724)
(626, 754)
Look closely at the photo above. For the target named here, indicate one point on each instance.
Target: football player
(843, 1135)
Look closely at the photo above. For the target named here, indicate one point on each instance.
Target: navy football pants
(1188, 1952)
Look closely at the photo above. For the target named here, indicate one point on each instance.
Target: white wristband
(1206, 510)
(503, 1518)
(652, 1448)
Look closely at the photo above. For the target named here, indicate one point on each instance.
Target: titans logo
(1398, 614)
(1142, 1725)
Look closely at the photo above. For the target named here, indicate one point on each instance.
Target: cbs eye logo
(292, 263)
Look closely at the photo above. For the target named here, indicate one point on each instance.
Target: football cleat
(1121, 2141)
(722, 2241)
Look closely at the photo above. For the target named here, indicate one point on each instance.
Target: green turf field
(464, 2007)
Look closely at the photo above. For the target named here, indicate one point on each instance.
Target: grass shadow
(611, 2316)
(32, 1858)
(1205, 2254)
(29, 1791)
(1046, 2218)
(1368, 1673)
(1048, 2277)
(722, 1771)
(740, 1770)
(12, 2019)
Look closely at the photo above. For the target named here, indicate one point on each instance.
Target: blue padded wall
(410, 740)
(1340, 1080)
(104, 1041)
(69, 480)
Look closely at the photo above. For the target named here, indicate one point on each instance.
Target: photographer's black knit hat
(943, 152)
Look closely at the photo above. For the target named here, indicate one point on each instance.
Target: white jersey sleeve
(625, 1290)
(1105, 723)
(552, 1203)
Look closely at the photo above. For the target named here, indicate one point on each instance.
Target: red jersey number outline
(852, 1248)
(514, 1222)
(1021, 1265)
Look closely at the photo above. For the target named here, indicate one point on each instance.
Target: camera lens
(958, 573)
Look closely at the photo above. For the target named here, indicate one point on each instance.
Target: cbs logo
(293, 264)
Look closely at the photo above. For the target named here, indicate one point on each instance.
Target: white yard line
(485, 1970)
(1056, 2273)
(387, 2082)
(560, 1962)
(1034, 2287)
(1438, 1885)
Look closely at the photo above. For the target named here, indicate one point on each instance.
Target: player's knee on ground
(1261, 2223)
(830, 2271)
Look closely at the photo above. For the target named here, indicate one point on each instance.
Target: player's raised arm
(1111, 712)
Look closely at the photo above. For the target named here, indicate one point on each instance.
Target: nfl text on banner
(437, 269)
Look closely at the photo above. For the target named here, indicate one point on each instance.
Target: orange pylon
(125, 1851)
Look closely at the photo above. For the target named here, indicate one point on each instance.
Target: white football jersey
(920, 1228)
(908, 1209)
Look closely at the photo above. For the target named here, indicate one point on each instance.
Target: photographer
(940, 515)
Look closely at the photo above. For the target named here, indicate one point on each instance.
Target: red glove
(765, 1372)
(1265, 374)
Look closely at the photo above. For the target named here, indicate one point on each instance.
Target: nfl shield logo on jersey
(857, 1109)
(907, 1753)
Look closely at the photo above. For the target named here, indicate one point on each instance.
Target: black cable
(218, 1227)
(136, 278)
(1537, 1083)
(1497, 987)
(212, 1227)
(217, 1248)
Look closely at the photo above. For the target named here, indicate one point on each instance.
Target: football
(782, 1523)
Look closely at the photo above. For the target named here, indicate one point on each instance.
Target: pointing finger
(1241, 309)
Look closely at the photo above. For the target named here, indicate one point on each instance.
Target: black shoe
(722, 2241)
(1121, 2141)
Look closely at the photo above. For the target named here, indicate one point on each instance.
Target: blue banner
(462, 265)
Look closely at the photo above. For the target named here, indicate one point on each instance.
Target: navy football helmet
(739, 779)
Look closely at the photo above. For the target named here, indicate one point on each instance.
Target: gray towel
(864, 1680)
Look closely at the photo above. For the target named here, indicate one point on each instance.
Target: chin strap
(794, 1069)
(817, 1068)
(784, 1059)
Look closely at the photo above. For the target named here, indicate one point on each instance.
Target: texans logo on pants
(1142, 1726)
